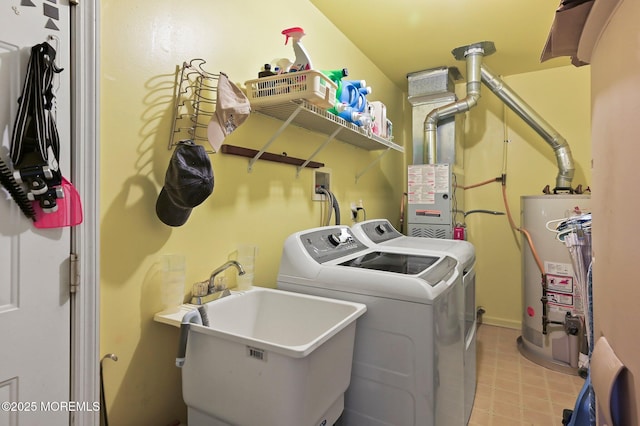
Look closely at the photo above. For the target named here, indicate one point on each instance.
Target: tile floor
(511, 390)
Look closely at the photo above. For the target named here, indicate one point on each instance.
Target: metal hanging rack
(194, 102)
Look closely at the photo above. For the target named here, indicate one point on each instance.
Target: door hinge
(74, 2)
(74, 273)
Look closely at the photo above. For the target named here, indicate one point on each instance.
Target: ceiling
(403, 36)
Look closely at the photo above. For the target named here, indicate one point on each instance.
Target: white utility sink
(268, 357)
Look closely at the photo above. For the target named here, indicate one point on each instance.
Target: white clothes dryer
(409, 344)
(380, 233)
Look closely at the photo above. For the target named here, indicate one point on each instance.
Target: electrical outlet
(355, 208)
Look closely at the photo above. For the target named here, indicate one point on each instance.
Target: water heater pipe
(559, 144)
(473, 54)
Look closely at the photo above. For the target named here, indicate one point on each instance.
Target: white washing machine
(409, 344)
(380, 233)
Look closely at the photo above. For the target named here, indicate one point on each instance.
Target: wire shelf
(312, 117)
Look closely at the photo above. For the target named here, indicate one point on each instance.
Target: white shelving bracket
(378, 158)
(320, 148)
(311, 117)
(275, 135)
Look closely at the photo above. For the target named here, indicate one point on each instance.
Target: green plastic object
(336, 76)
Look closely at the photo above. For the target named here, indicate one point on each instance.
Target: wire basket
(310, 85)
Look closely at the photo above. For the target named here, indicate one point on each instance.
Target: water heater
(557, 349)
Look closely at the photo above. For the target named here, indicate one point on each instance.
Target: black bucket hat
(187, 183)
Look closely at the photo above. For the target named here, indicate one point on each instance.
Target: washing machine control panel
(380, 231)
(331, 243)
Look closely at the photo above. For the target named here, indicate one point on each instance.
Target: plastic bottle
(353, 97)
(266, 71)
(362, 119)
(302, 61)
(336, 76)
(357, 83)
(281, 65)
(352, 104)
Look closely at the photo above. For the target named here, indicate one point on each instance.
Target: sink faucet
(213, 292)
(223, 268)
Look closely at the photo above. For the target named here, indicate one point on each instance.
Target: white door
(34, 277)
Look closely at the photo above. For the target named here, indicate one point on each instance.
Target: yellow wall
(561, 96)
(142, 42)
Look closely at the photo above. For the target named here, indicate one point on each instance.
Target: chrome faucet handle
(200, 289)
(209, 296)
(219, 287)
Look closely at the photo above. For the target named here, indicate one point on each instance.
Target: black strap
(35, 131)
(35, 143)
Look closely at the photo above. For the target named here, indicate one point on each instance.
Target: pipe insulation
(559, 144)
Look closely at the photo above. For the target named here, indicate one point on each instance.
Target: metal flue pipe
(478, 73)
(559, 144)
(473, 54)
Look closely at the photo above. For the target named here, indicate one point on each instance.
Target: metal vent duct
(559, 144)
(478, 72)
(473, 55)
